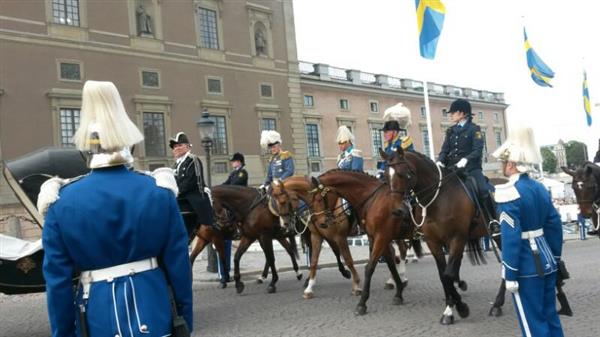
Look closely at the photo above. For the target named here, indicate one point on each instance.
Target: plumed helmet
(239, 157)
(344, 135)
(397, 117)
(520, 147)
(269, 138)
(104, 122)
(179, 138)
(461, 105)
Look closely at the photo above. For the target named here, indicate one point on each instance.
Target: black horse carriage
(20, 260)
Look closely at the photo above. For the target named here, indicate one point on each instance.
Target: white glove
(440, 164)
(49, 193)
(462, 163)
(262, 187)
(512, 286)
(164, 178)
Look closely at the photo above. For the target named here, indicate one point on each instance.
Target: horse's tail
(417, 247)
(475, 252)
(294, 246)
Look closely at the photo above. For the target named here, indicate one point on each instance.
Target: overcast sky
(481, 47)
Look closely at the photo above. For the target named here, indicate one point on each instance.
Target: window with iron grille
(315, 167)
(423, 112)
(312, 138)
(268, 124)
(154, 134)
(214, 86)
(70, 71)
(69, 122)
(66, 12)
(266, 90)
(209, 37)
(480, 115)
(220, 167)
(220, 136)
(309, 100)
(376, 140)
(150, 79)
(425, 135)
(344, 104)
(498, 135)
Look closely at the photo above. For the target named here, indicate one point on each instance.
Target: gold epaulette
(406, 142)
(283, 155)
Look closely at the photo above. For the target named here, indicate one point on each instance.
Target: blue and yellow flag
(430, 21)
(540, 72)
(586, 100)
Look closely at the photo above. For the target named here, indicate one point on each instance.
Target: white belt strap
(532, 234)
(109, 274)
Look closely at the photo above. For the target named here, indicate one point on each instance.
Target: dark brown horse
(237, 204)
(380, 211)
(586, 184)
(446, 215)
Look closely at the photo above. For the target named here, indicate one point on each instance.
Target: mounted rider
(463, 149)
(532, 236)
(395, 133)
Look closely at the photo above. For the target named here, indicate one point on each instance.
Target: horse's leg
(336, 251)
(316, 242)
(378, 248)
(290, 250)
(496, 309)
(440, 261)
(245, 242)
(457, 247)
(391, 263)
(263, 276)
(342, 242)
(200, 244)
(401, 266)
(266, 243)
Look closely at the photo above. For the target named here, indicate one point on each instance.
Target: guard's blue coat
(281, 166)
(525, 205)
(404, 142)
(350, 159)
(111, 217)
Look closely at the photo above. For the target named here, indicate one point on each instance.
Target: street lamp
(206, 129)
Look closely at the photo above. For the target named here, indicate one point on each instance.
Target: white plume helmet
(269, 137)
(344, 135)
(398, 113)
(520, 147)
(102, 111)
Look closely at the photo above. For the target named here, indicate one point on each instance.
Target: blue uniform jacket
(111, 217)
(405, 142)
(281, 166)
(525, 205)
(463, 142)
(351, 159)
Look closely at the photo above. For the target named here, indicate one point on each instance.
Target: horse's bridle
(595, 202)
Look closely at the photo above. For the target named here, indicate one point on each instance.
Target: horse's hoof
(356, 292)
(308, 296)
(222, 285)
(388, 286)
(305, 283)
(239, 288)
(447, 320)
(299, 276)
(398, 300)
(404, 284)
(463, 309)
(360, 310)
(462, 285)
(346, 273)
(495, 312)
(271, 289)
(259, 280)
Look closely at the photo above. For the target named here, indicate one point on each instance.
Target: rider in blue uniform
(531, 237)
(116, 227)
(463, 148)
(349, 158)
(395, 132)
(281, 163)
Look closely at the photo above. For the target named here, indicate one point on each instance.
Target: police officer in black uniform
(238, 176)
(189, 175)
(463, 148)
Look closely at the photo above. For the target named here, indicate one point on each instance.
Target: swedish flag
(586, 100)
(430, 21)
(540, 72)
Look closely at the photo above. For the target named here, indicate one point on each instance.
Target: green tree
(548, 160)
(576, 153)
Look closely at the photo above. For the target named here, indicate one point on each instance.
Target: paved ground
(330, 313)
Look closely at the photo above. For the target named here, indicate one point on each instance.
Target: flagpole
(428, 117)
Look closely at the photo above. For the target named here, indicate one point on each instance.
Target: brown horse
(287, 195)
(237, 204)
(586, 184)
(446, 215)
(380, 211)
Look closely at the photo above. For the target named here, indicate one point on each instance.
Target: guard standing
(531, 236)
(116, 227)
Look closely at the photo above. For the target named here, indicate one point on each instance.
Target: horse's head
(223, 217)
(285, 201)
(585, 184)
(323, 200)
(401, 177)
